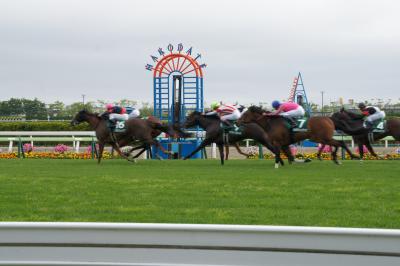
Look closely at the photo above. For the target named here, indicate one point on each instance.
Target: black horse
(352, 124)
(215, 134)
(139, 132)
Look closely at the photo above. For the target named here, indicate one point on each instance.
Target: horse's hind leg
(226, 152)
(116, 147)
(240, 151)
(286, 150)
(320, 151)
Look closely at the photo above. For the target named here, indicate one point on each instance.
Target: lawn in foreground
(201, 191)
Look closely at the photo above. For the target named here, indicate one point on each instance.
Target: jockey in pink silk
(289, 110)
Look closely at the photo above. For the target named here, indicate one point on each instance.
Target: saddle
(232, 128)
(299, 124)
(116, 126)
(379, 125)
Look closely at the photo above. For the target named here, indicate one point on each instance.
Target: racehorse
(137, 130)
(215, 134)
(352, 124)
(319, 129)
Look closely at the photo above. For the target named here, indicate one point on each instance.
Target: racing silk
(370, 110)
(117, 110)
(286, 107)
(226, 109)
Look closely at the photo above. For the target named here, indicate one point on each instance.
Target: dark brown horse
(319, 129)
(137, 131)
(214, 134)
(352, 124)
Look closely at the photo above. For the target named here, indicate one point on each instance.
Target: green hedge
(43, 126)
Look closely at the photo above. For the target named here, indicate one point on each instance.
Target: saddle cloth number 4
(380, 125)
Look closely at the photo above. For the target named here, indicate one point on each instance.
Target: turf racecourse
(201, 191)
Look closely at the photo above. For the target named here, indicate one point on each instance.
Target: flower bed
(327, 156)
(55, 155)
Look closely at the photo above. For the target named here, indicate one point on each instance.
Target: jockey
(116, 113)
(226, 112)
(289, 110)
(372, 113)
(133, 112)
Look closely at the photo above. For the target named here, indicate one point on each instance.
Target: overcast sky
(61, 49)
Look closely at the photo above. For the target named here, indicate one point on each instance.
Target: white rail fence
(182, 244)
(75, 137)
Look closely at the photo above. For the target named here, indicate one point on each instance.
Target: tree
(146, 110)
(34, 109)
(72, 109)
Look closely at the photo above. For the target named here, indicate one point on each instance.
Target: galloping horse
(352, 124)
(137, 130)
(319, 129)
(214, 134)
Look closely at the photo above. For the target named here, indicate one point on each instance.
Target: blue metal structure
(298, 94)
(178, 91)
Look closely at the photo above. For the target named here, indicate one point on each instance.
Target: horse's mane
(256, 109)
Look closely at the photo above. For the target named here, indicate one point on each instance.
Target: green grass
(201, 191)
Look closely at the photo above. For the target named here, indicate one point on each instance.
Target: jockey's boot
(368, 125)
(292, 122)
(111, 125)
(227, 123)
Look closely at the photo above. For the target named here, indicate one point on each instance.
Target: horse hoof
(276, 165)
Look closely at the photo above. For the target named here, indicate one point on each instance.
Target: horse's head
(80, 117)
(251, 115)
(341, 115)
(192, 119)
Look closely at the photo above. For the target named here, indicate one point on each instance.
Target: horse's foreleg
(371, 150)
(275, 150)
(221, 152)
(158, 145)
(201, 146)
(120, 153)
(344, 146)
(100, 151)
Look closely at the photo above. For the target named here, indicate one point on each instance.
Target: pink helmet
(109, 106)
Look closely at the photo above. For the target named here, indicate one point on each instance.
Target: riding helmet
(109, 106)
(215, 105)
(276, 104)
(361, 105)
